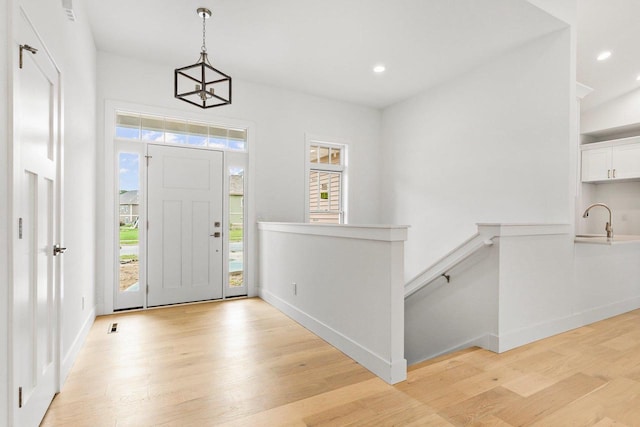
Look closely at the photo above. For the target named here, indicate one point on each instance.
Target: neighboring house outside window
(129, 208)
(326, 182)
(236, 201)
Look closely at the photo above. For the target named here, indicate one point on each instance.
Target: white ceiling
(324, 47)
(608, 25)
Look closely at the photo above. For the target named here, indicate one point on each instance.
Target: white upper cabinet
(611, 160)
(626, 161)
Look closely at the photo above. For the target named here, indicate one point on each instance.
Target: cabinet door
(596, 164)
(626, 161)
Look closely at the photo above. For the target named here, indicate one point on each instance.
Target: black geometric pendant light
(200, 84)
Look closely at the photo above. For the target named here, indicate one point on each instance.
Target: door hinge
(147, 289)
(148, 157)
(19, 228)
(147, 225)
(19, 397)
(28, 49)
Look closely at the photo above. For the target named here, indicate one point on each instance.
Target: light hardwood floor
(243, 363)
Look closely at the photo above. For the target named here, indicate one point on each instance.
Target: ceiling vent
(67, 5)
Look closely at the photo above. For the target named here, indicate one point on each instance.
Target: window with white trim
(168, 130)
(326, 183)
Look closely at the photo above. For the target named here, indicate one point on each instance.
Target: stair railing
(441, 268)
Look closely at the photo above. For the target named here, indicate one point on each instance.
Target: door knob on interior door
(216, 234)
(58, 250)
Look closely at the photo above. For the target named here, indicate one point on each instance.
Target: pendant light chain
(203, 48)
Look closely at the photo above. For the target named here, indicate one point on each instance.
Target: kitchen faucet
(608, 228)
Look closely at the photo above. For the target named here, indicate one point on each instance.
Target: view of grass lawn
(128, 236)
(235, 235)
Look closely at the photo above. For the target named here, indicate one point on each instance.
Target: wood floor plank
(243, 363)
(537, 406)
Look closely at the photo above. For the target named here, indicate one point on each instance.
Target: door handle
(216, 234)
(58, 250)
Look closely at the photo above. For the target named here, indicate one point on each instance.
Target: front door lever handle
(58, 250)
(216, 234)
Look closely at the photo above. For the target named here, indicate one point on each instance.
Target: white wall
(494, 145)
(624, 200)
(621, 112)
(281, 118)
(445, 317)
(561, 9)
(4, 211)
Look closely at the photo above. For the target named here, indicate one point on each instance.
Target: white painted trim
(71, 356)
(387, 233)
(487, 341)
(390, 371)
(608, 310)
(527, 335)
(582, 90)
(610, 143)
(342, 143)
(524, 229)
(138, 299)
(106, 306)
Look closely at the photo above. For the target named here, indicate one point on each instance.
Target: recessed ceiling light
(379, 69)
(604, 55)
(638, 78)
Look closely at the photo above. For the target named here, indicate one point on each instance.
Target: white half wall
(534, 282)
(344, 283)
(536, 287)
(280, 119)
(493, 145)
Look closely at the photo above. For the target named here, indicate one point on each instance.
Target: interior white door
(184, 234)
(35, 308)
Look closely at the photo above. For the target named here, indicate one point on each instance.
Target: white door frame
(106, 258)
(139, 298)
(19, 16)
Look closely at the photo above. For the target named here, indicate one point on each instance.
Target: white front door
(185, 225)
(35, 297)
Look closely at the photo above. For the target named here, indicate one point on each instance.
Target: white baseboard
(391, 372)
(609, 310)
(537, 332)
(487, 341)
(70, 358)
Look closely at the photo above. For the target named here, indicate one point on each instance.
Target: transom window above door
(149, 128)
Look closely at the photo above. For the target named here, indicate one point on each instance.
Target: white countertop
(598, 239)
